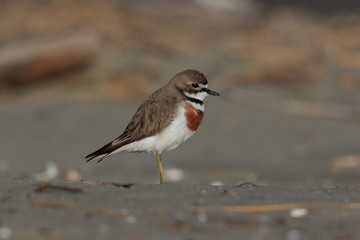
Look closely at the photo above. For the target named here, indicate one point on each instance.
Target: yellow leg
(161, 172)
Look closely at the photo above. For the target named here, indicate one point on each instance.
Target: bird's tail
(108, 149)
(100, 154)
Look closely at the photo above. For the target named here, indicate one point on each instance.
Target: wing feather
(151, 117)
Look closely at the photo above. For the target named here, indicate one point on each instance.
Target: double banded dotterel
(166, 119)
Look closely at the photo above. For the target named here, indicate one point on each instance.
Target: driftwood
(29, 61)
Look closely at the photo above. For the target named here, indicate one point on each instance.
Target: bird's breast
(193, 117)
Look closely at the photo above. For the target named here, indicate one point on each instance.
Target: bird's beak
(211, 92)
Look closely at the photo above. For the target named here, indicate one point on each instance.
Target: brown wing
(155, 114)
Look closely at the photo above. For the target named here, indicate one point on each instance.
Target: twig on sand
(123, 185)
(47, 187)
(273, 207)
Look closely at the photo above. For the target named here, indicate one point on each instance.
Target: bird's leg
(161, 172)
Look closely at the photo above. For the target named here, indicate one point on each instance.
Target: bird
(164, 120)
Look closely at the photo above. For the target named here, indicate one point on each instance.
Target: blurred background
(72, 74)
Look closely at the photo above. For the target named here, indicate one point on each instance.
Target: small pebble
(5, 233)
(72, 175)
(298, 212)
(51, 173)
(174, 174)
(217, 183)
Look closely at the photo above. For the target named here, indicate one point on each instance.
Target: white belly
(175, 134)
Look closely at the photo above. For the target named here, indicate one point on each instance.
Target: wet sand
(94, 210)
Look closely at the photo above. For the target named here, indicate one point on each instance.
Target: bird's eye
(195, 85)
